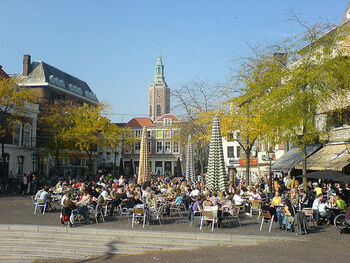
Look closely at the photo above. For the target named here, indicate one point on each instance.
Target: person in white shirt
(239, 201)
(121, 181)
(315, 208)
(194, 193)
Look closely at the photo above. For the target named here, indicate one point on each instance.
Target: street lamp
(270, 156)
(115, 158)
(33, 160)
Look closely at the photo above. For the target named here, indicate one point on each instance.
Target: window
(167, 121)
(167, 133)
(175, 147)
(138, 133)
(159, 110)
(16, 133)
(167, 109)
(160, 134)
(175, 132)
(159, 147)
(148, 134)
(26, 135)
(137, 147)
(238, 151)
(150, 110)
(149, 147)
(230, 152)
(167, 147)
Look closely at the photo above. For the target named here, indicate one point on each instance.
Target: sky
(113, 45)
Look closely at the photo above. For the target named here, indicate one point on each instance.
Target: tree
(296, 83)
(191, 101)
(13, 100)
(92, 129)
(55, 122)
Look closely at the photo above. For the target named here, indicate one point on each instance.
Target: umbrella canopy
(328, 175)
(216, 178)
(144, 167)
(178, 171)
(189, 161)
(121, 167)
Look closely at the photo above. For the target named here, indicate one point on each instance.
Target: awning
(293, 157)
(331, 157)
(328, 175)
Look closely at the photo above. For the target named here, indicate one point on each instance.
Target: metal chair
(266, 216)
(96, 212)
(39, 203)
(139, 212)
(255, 207)
(176, 208)
(210, 213)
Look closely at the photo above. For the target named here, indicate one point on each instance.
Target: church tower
(158, 93)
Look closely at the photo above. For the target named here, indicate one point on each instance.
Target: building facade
(164, 149)
(20, 143)
(52, 84)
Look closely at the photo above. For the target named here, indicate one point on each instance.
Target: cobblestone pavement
(323, 244)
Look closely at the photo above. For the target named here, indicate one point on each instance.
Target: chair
(96, 212)
(210, 213)
(235, 215)
(309, 215)
(75, 218)
(156, 212)
(139, 212)
(255, 207)
(266, 216)
(39, 203)
(176, 208)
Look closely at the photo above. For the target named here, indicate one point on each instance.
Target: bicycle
(340, 224)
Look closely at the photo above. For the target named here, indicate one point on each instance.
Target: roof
(168, 116)
(140, 122)
(3, 74)
(331, 157)
(293, 157)
(346, 16)
(42, 72)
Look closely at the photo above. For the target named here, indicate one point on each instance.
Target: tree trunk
(57, 160)
(304, 167)
(247, 168)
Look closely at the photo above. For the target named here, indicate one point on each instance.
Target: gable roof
(168, 116)
(3, 74)
(43, 73)
(346, 16)
(140, 122)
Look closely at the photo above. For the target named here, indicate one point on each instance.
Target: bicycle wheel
(339, 222)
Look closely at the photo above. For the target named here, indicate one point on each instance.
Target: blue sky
(113, 45)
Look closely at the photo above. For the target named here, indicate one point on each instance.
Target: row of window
(160, 134)
(161, 147)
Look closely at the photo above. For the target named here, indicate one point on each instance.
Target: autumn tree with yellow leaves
(13, 100)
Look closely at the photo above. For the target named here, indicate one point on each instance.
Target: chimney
(26, 65)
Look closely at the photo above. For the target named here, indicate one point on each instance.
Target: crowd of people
(287, 199)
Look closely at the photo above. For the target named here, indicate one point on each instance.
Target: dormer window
(168, 121)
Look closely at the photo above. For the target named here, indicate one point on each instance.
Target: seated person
(315, 208)
(238, 201)
(69, 204)
(340, 203)
(276, 200)
(347, 215)
(266, 206)
(133, 200)
(288, 215)
(324, 212)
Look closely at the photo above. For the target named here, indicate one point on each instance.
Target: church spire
(159, 76)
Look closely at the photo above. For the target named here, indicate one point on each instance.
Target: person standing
(29, 182)
(24, 183)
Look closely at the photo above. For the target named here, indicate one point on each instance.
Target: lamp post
(270, 155)
(232, 161)
(33, 160)
(115, 152)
